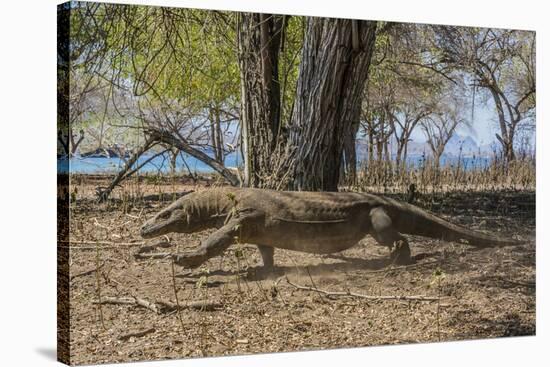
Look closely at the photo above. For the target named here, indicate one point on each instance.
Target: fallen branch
(156, 255)
(208, 284)
(160, 306)
(402, 267)
(105, 244)
(146, 304)
(136, 334)
(364, 296)
(128, 301)
(177, 141)
(196, 305)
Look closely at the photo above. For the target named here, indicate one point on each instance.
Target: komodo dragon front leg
(385, 234)
(240, 226)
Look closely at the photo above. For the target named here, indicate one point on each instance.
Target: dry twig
(87, 272)
(358, 295)
(106, 244)
(148, 248)
(156, 255)
(136, 334)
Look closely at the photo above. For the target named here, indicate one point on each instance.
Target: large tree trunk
(259, 39)
(437, 153)
(350, 154)
(334, 68)
(75, 143)
(380, 149)
(507, 132)
(371, 147)
(405, 153)
(398, 154)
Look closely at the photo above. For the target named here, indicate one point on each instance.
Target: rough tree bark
(350, 154)
(507, 129)
(259, 41)
(216, 134)
(370, 147)
(75, 143)
(335, 61)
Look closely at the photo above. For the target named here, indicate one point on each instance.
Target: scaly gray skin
(314, 222)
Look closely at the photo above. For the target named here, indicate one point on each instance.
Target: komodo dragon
(314, 222)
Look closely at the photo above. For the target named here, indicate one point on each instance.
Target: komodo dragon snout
(166, 221)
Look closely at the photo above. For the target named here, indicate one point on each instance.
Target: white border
(28, 191)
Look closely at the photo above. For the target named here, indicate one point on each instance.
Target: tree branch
(180, 143)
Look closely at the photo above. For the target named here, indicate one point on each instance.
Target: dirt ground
(475, 293)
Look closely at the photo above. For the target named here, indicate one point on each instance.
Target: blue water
(162, 164)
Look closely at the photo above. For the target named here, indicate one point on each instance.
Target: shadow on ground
(48, 353)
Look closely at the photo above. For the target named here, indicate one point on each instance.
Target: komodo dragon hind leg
(214, 245)
(385, 234)
(267, 256)
(266, 269)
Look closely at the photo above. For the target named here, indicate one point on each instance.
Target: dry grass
(384, 176)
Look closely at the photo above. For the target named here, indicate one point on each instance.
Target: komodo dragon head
(188, 214)
(171, 219)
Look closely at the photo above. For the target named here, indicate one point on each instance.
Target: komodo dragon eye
(164, 215)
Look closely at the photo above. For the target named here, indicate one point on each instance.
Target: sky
(482, 130)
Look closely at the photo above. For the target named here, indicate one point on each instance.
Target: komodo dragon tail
(410, 219)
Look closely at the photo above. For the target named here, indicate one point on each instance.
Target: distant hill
(467, 143)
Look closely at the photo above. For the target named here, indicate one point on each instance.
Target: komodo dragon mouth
(150, 230)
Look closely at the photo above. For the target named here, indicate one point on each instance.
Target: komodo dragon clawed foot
(191, 259)
(401, 253)
(384, 232)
